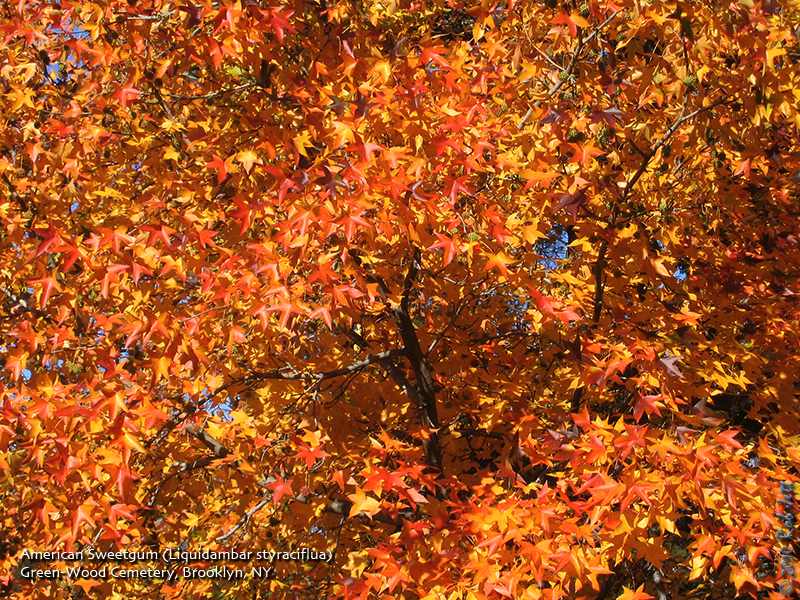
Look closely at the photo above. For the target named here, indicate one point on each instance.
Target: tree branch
(280, 374)
(573, 62)
(245, 518)
(208, 441)
(600, 264)
(425, 389)
(292, 375)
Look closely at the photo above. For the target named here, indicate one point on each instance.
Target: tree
(487, 300)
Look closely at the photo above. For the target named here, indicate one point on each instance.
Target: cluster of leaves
(490, 300)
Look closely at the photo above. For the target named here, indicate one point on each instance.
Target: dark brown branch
(183, 468)
(179, 417)
(664, 139)
(216, 94)
(217, 448)
(251, 85)
(142, 17)
(342, 507)
(425, 388)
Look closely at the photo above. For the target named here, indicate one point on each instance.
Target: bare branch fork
(573, 62)
(293, 375)
(600, 264)
(336, 507)
(277, 374)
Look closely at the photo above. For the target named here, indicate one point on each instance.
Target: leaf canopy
(487, 300)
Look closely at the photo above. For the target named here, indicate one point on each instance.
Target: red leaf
(125, 94)
(571, 21)
(215, 52)
(280, 488)
(449, 246)
(220, 166)
(726, 438)
(48, 285)
(647, 404)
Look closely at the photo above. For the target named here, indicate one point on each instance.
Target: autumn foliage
(491, 300)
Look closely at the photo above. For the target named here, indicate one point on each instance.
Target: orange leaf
(637, 594)
(726, 438)
(498, 262)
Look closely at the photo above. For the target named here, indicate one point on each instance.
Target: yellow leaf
(579, 20)
(477, 32)
(499, 262)
(247, 158)
(628, 232)
(215, 430)
(239, 417)
(623, 527)
(658, 265)
(575, 384)
(132, 442)
(343, 133)
(363, 504)
(171, 125)
(698, 567)
(666, 524)
(171, 154)
(532, 234)
(567, 278)
(741, 576)
(637, 594)
(772, 54)
(381, 71)
(21, 97)
(529, 71)
(161, 368)
(107, 192)
(301, 142)
(582, 244)
(357, 562)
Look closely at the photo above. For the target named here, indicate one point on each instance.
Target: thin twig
(245, 518)
(293, 375)
(541, 53)
(602, 255)
(567, 73)
(211, 95)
